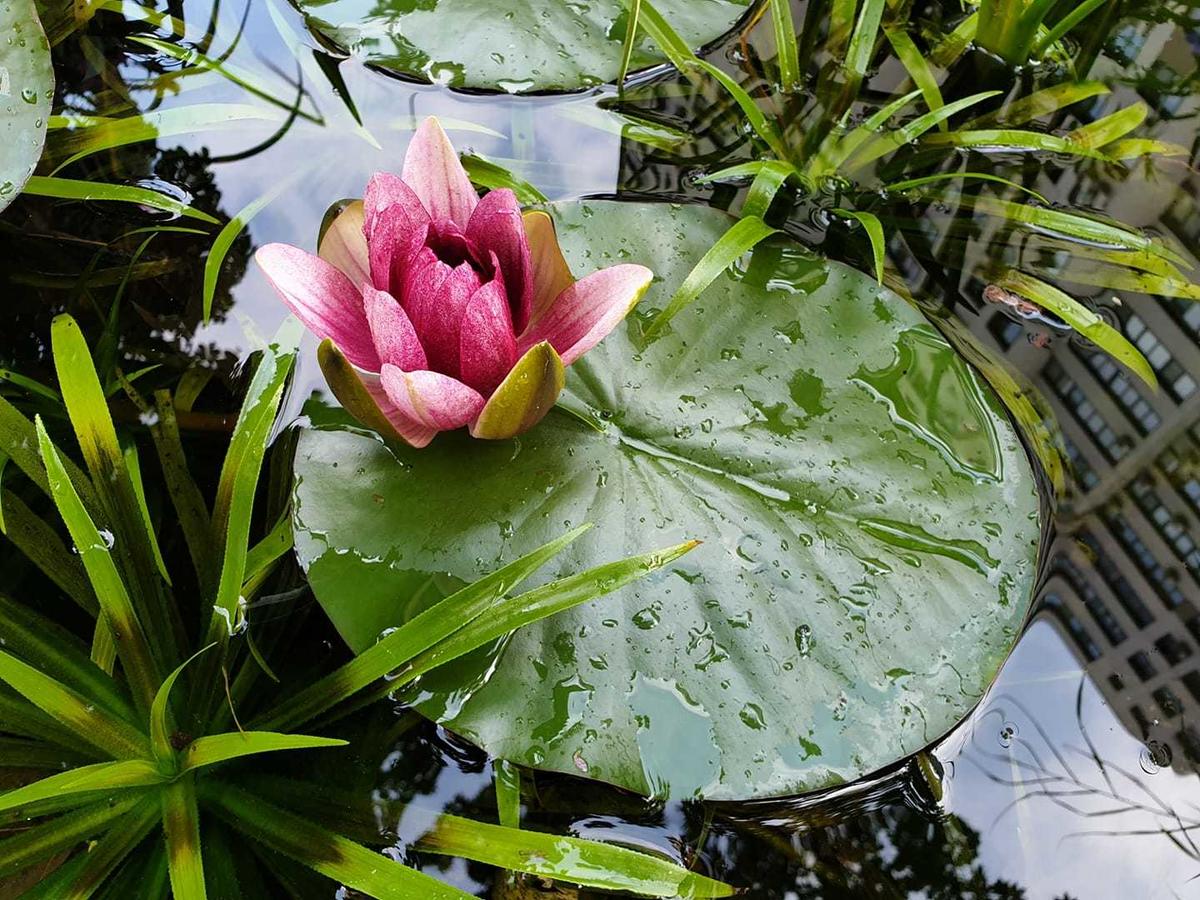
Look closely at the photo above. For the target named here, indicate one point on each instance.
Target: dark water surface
(1075, 777)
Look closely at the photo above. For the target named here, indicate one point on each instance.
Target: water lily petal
(394, 235)
(487, 344)
(582, 315)
(385, 190)
(551, 274)
(496, 226)
(362, 395)
(344, 245)
(437, 312)
(322, 298)
(395, 338)
(431, 398)
(433, 171)
(524, 397)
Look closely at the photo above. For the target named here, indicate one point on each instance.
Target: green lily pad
(869, 516)
(509, 45)
(26, 89)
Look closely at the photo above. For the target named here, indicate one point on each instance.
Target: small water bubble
(804, 639)
(1154, 756)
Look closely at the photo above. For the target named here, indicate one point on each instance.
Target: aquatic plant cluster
(739, 513)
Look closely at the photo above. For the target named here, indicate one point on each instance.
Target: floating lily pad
(509, 45)
(26, 88)
(869, 516)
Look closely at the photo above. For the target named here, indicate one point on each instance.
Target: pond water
(1076, 776)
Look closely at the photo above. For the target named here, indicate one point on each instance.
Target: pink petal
(395, 223)
(413, 431)
(583, 315)
(362, 395)
(344, 245)
(323, 298)
(423, 277)
(496, 226)
(437, 312)
(432, 170)
(431, 398)
(395, 338)
(385, 190)
(551, 274)
(487, 345)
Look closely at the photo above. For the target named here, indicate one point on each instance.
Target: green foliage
(924, 150)
(1014, 29)
(162, 756)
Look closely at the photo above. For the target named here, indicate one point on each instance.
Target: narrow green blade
(106, 776)
(742, 236)
(181, 825)
(586, 863)
(415, 636)
(84, 718)
(95, 551)
(330, 854)
(218, 748)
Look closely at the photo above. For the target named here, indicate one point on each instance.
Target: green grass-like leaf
(1105, 130)
(1038, 104)
(1079, 317)
(874, 230)
(86, 780)
(46, 840)
(218, 748)
(89, 723)
(95, 551)
(330, 854)
(80, 877)
(181, 826)
(72, 189)
(587, 863)
(769, 179)
(757, 119)
(910, 131)
(485, 173)
(43, 643)
(73, 138)
(414, 637)
(745, 234)
(787, 57)
(917, 67)
(862, 41)
(1011, 140)
(240, 473)
(507, 779)
(629, 41)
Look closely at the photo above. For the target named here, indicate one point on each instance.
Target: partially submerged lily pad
(509, 45)
(26, 89)
(869, 516)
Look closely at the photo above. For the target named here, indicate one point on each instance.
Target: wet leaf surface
(869, 517)
(26, 87)
(509, 45)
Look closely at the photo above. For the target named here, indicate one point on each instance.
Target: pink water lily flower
(437, 309)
